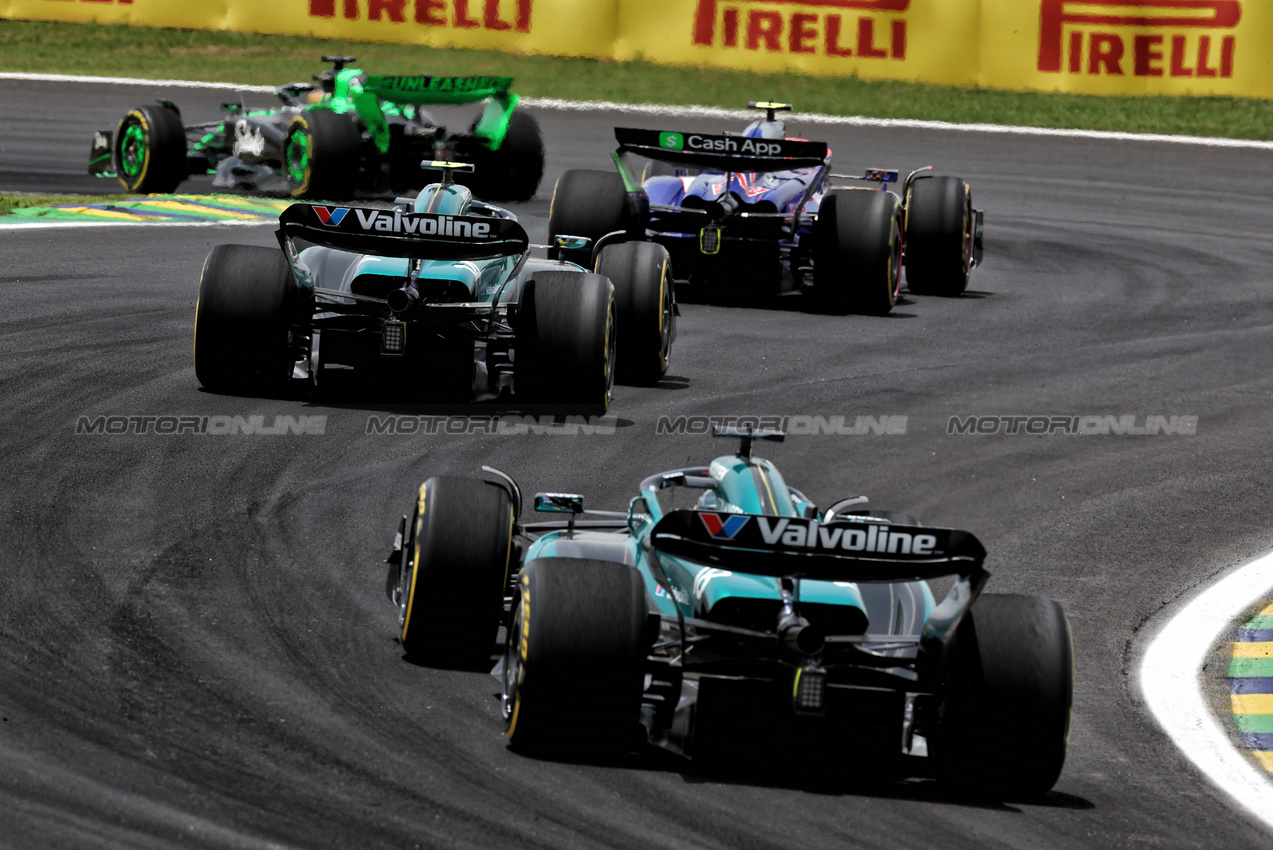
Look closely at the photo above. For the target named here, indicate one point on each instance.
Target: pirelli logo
(493, 15)
(864, 29)
(1178, 38)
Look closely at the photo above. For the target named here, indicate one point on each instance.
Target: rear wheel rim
(512, 665)
(611, 350)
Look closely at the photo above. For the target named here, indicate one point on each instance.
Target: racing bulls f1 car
(758, 212)
(753, 627)
(348, 131)
(436, 298)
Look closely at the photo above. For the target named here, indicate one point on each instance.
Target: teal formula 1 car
(748, 627)
(437, 298)
(347, 132)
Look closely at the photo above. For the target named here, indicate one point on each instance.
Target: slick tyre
(1006, 718)
(454, 572)
(241, 321)
(858, 252)
(149, 149)
(320, 155)
(641, 274)
(939, 236)
(573, 663)
(513, 172)
(586, 203)
(565, 346)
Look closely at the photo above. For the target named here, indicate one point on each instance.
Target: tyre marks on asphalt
(1251, 685)
(157, 208)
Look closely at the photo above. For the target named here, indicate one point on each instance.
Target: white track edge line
(1170, 675)
(49, 225)
(717, 112)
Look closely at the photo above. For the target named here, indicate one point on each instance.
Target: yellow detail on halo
(1252, 703)
(1262, 649)
(1265, 758)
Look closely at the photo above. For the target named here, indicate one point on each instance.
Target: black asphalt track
(195, 647)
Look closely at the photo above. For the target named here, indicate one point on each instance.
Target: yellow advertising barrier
(1088, 46)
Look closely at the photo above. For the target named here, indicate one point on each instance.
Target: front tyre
(857, 257)
(455, 566)
(150, 149)
(641, 274)
(572, 671)
(320, 155)
(939, 236)
(1009, 689)
(241, 321)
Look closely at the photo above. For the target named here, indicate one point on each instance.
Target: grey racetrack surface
(195, 648)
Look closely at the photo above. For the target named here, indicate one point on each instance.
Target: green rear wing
(368, 90)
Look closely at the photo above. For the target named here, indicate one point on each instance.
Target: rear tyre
(573, 661)
(939, 230)
(586, 203)
(643, 300)
(320, 155)
(241, 320)
(564, 351)
(857, 256)
(513, 172)
(1006, 719)
(150, 149)
(454, 572)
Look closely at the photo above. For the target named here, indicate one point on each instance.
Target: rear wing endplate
(720, 152)
(390, 233)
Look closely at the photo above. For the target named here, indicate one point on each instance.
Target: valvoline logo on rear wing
(392, 233)
(840, 550)
(721, 152)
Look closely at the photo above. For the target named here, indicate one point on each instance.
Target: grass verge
(13, 201)
(274, 60)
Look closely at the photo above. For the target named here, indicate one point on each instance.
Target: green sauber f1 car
(746, 626)
(347, 132)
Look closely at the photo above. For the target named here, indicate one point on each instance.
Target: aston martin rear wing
(720, 152)
(840, 550)
(390, 233)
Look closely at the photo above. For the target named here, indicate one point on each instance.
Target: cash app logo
(672, 141)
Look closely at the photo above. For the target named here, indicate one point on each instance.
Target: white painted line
(49, 225)
(130, 81)
(730, 114)
(1170, 681)
(856, 121)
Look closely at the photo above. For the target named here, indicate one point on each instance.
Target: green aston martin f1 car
(745, 625)
(436, 298)
(346, 132)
